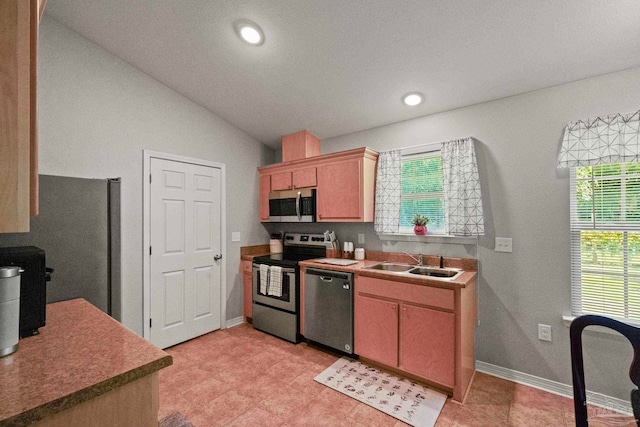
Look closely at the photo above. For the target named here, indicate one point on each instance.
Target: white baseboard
(234, 322)
(561, 389)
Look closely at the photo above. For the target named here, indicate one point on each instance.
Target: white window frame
(576, 227)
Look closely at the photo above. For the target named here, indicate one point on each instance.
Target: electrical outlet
(544, 332)
(360, 238)
(504, 244)
(235, 236)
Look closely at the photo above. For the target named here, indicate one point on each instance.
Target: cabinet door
(281, 181)
(304, 178)
(246, 284)
(376, 330)
(339, 196)
(16, 114)
(265, 188)
(427, 343)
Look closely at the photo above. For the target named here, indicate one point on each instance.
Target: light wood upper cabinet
(345, 184)
(346, 189)
(265, 188)
(19, 21)
(281, 181)
(299, 178)
(304, 178)
(339, 189)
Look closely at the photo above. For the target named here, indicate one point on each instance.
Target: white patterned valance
(462, 198)
(388, 189)
(611, 139)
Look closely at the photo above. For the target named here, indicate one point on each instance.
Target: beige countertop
(81, 353)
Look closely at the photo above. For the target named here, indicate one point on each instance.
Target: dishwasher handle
(328, 275)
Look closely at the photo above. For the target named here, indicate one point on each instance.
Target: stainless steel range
(276, 284)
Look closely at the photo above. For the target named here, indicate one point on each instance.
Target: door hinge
(150, 322)
(149, 178)
(149, 250)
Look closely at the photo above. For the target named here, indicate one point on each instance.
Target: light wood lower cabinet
(423, 331)
(247, 277)
(427, 343)
(133, 404)
(376, 334)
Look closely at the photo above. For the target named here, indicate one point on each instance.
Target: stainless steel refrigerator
(79, 229)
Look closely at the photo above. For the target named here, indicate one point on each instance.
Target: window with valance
(604, 156)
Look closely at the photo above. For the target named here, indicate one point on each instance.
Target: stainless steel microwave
(292, 205)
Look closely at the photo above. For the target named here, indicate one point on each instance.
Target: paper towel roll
(275, 246)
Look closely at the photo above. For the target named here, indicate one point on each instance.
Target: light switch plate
(504, 244)
(360, 238)
(235, 236)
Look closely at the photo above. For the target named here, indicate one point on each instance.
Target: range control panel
(306, 239)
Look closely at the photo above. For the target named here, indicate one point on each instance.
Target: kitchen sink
(443, 273)
(391, 267)
(433, 272)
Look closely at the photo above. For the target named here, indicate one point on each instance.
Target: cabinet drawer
(417, 294)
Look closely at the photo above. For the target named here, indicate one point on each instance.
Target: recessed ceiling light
(249, 32)
(412, 99)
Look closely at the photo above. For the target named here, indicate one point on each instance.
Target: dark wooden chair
(577, 366)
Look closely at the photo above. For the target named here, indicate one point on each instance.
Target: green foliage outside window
(422, 192)
(607, 205)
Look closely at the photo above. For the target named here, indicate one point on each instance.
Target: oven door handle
(298, 207)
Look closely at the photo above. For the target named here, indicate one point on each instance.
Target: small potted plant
(420, 224)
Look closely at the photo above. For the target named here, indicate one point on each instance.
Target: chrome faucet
(418, 260)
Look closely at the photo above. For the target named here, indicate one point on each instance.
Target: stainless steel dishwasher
(328, 308)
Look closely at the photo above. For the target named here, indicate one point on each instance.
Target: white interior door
(185, 219)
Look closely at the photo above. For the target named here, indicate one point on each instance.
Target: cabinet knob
(394, 307)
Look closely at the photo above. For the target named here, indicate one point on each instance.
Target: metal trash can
(9, 309)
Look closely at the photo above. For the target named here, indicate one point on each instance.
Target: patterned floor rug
(401, 398)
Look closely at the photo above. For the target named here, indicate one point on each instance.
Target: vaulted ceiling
(340, 66)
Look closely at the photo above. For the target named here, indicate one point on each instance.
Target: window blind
(422, 191)
(605, 240)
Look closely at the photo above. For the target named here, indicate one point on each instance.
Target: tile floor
(243, 377)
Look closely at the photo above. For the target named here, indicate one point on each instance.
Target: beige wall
(97, 115)
(525, 198)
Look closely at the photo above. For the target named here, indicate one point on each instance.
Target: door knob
(217, 257)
